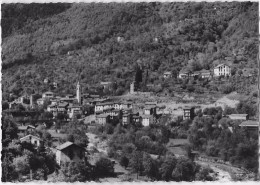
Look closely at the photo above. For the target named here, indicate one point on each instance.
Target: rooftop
(102, 116)
(241, 115)
(30, 136)
(249, 123)
(221, 65)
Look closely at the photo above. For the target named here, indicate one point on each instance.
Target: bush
(104, 168)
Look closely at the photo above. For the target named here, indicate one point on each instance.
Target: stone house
(102, 119)
(70, 152)
(32, 139)
(150, 110)
(188, 112)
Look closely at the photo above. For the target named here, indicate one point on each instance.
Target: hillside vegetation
(70, 42)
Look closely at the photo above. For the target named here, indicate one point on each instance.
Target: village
(141, 109)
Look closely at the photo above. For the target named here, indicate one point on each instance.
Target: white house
(31, 139)
(222, 70)
(167, 74)
(40, 101)
(48, 95)
(147, 120)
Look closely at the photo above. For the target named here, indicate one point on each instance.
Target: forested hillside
(109, 42)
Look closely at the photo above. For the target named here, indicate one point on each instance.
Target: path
(222, 176)
(102, 147)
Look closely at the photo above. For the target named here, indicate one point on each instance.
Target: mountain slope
(201, 32)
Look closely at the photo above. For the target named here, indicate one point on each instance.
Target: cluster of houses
(65, 152)
(219, 70)
(123, 111)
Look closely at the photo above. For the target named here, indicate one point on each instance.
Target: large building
(222, 70)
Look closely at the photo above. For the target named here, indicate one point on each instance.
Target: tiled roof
(64, 145)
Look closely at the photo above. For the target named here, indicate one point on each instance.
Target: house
(102, 119)
(147, 120)
(120, 39)
(150, 110)
(126, 119)
(25, 129)
(195, 74)
(52, 108)
(127, 105)
(106, 84)
(46, 80)
(184, 74)
(136, 119)
(222, 70)
(239, 116)
(103, 106)
(62, 107)
(167, 74)
(151, 103)
(127, 111)
(115, 114)
(70, 152)
(188, 112)
(118, 105)
(32, 139)
(250, 125)
(54, 101)
(205, 73)
(69, 96)
(47, 95)
(67, 100)
(55, 85)
(74, 110)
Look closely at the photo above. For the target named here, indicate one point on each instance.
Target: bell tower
(78, 93)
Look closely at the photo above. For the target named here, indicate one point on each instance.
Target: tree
(124, 161)
(5, 105)
(104, 167)
(47, 115)
(204, 174)
(167, 167)
(136, 162)
(9, 130)
(138, 76)
(150, 167)
(73, 172)
(21, 164)
(9, 173)
(185, 170)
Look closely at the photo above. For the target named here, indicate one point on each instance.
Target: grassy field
(176, 146)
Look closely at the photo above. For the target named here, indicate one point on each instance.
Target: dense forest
(110, 41)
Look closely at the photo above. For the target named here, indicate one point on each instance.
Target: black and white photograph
(115, 92)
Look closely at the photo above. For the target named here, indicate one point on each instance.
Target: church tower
(78, 93)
